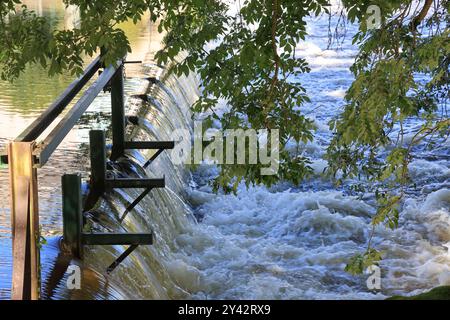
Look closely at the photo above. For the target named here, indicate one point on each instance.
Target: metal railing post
(98, 167)
(72, 213)
(118, 114)
(24, 221)
(98, 159)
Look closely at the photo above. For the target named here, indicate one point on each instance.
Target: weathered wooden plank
(21, 284)
(72, 213)
(117, 238)
(24, 211)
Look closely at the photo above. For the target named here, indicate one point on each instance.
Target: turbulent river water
(285, 242)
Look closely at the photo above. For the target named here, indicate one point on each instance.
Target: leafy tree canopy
(247, 57)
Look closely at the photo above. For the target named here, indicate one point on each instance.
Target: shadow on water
(95, 286)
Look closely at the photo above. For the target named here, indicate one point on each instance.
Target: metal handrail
(45, 149)
(23, 158)
(35, 129)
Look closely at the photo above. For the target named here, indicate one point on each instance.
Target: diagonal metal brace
(134, 203)
(149, 161)
(122, 257)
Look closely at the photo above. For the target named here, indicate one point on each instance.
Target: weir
(277, 243)
(24, 156)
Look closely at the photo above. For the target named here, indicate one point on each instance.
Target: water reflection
(33, 91)
(95, 286)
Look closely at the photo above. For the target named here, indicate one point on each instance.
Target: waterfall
(150, 272)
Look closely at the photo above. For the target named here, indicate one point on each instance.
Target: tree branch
(276, 57)
(422, 14)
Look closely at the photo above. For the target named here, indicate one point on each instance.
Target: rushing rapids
(279, 243)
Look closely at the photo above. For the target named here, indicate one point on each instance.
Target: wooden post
(118, 114)
(24, 221)
(72, 213)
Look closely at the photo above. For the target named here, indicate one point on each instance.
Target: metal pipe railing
(52, 141)
(23, 159)
(35, 129)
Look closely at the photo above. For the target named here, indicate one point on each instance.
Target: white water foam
(294, 245)
(268, 244)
